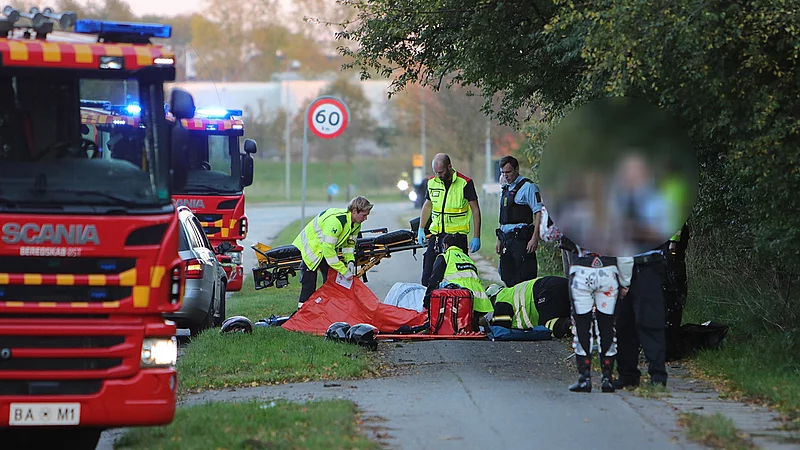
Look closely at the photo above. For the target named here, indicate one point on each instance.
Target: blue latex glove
(421, 237)
(475, 245)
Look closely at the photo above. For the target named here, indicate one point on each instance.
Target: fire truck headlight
(159, 352)
(236, 257)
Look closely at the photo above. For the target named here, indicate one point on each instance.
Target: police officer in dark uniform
(518, 235)
(641, 320)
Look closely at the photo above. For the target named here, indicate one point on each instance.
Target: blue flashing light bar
(217, 113)
(125, 110)
(149, 30)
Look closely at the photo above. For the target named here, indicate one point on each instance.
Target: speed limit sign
(328, 117)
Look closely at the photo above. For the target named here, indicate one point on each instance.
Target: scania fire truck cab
(88, 239)
(217, 170)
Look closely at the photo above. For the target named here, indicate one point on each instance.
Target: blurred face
(509, 173)
(360, 216)
(442, 172)
(634, 171)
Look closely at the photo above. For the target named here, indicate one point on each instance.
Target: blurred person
(540, 301)
(451, 207)
(641, 208)
(331, 229)
(454, 266)
(520, 217)
(596, 282)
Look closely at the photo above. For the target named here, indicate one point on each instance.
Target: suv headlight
(159, 352)
(236, 257)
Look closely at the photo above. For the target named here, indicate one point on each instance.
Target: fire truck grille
(35, 364)
(61, 387)
(60, 341)
(66, 265)
(62, 294)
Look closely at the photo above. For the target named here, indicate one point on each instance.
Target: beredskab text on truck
(89, 246)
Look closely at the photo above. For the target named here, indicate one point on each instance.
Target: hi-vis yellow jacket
(333, 228)
(450, 212)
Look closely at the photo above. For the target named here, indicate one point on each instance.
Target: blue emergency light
(217, 113)
(145, 30)
(131, 109)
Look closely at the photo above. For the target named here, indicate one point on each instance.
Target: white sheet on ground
(406, 295)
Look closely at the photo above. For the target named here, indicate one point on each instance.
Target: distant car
(203, 304)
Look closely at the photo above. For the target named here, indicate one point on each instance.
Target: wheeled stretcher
(275, 265)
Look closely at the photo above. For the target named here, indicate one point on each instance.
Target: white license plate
(29, 414)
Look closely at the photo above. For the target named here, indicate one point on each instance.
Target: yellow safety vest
(462, 271)
(331, 229)
(450, 212)
(522, 300)
(676, 193)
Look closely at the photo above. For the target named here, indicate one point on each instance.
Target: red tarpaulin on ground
(334, 303)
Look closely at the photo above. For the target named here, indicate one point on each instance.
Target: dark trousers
(675, 293)
(516, 264)
(308, 279)
(641, 320)
(434, 249)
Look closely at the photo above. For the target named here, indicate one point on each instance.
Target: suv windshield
(50, 156)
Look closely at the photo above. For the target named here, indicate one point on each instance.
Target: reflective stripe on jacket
(521, 298)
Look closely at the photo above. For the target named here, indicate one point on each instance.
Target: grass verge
(760, 358)
(715, 431)
(256, 424)
(270, 355)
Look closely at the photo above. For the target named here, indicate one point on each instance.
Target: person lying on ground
(541, 301)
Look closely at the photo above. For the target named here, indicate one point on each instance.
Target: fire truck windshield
(52, 156)
(214, 165)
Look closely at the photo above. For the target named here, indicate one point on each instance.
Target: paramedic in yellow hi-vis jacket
(333, 228)
(541, 301)
(451, 206)
(454, 266)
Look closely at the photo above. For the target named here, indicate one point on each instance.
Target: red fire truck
(89, 255)
(218, 171)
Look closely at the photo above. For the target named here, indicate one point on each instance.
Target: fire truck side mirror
(247, 169)
(250, 146)
(181, 104)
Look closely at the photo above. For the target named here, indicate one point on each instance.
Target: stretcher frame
(369, 252)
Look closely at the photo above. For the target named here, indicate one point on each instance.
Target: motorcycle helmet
(236, 324)
(337, 331)
(363, 334)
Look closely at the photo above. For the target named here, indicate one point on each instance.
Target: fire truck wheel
(221, 313)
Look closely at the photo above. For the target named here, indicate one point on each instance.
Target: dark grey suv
(204, 294)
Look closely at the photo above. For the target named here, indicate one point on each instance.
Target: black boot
(584, 383)
(607, 368)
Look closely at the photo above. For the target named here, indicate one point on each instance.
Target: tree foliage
(727, 71)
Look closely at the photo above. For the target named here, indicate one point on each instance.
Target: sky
(162, 7)
(170, 7)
